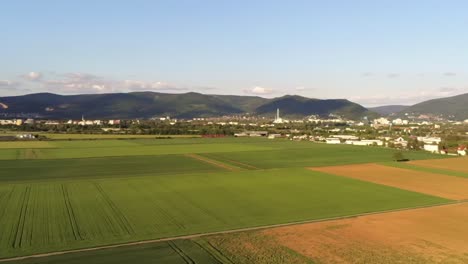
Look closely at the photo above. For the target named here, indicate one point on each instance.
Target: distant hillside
(297, 105)
(450, 107)
(388, 109)
(187, 105)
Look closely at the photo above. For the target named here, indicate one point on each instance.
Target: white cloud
(78, 83)
(135, 85)
(7, 84)
(33, 76)
(300, 88)
(72, 83)
(259, 90)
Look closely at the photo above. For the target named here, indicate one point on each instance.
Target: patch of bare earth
(254, 247)
(450, 187)
(455, 164)
(429, 235)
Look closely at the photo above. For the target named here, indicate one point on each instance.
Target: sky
(370, 52)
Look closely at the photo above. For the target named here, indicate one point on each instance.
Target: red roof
(462, 148)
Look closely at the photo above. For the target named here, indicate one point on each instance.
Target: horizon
(356, 51)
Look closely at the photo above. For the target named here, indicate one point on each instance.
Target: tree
(398, 156)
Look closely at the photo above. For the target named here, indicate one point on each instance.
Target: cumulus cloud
(78, 83)
(259, 90)
(135, 85)
(300, 88)
(33, 76)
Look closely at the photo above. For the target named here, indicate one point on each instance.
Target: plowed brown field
(455, 164)
(429, 235)
(445, 186)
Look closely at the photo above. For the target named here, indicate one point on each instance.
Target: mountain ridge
(184, 105)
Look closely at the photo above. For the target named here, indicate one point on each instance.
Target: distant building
(333, 141)
(273, 136)
(461, 150)
(400, 142)
(348, 137)
(252, 134)
(25, 136)
(431, 148)
(382, 121)
(365, 142)
(278, 119)
(430, 140)
(400, 121)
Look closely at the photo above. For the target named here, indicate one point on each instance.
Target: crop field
(176, 252)
(82, 194)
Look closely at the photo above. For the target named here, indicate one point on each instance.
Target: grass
(57, 215)
(25, 144)
(97, 168)
(313, 155)
(111, 136)
(88, 151)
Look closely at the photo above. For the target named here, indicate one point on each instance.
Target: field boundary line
(241, 163)
(255, 228)
(212, 162)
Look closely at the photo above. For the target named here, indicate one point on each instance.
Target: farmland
(68, 195)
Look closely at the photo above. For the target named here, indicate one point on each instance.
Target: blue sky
(371, 52)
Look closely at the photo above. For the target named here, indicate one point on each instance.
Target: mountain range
(186, 105)
(189, 105)
(386, 110)
(454, 107)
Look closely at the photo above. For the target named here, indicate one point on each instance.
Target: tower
(277, 114)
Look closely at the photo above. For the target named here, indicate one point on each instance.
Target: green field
(81, 194)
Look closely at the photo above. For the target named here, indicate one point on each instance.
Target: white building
(461, 151)
(400, 142)
(278, 119)
(365, 142)
(431, 148)
(429, 140)
(333, 141)
(382, 121)
(348, 137)
(400, 121)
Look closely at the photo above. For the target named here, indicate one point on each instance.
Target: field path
(168, 239)
(213, 162)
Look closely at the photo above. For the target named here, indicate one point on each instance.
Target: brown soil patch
(455, 164)
(450, 187)
(429, 235)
